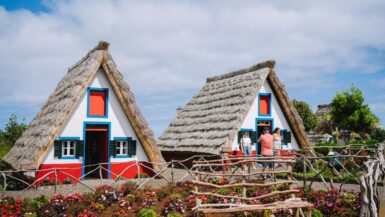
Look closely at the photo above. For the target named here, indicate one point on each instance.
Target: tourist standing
(277, 141)
(246, 144)
(266, 140)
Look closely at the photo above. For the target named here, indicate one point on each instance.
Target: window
(68, 148)
(264, 108)
(121, 148)
(97, 102)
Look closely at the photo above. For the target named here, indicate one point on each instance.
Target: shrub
(175, 214)
(174, 205)
(317, 213)
(147, 212)
(67, 181)
(128, 188)
(106, 195)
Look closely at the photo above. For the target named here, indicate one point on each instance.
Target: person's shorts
(246, 151)
(267, 164)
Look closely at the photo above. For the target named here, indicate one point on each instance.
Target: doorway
(260, 125)
(96, 150)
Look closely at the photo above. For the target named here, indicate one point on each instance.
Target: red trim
(96, 130)
(74, 169)
(131, 172)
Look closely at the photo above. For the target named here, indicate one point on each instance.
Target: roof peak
(102, 45)
(261, 65)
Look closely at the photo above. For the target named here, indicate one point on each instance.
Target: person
(266, 140)
(277, 141)
(246, 144)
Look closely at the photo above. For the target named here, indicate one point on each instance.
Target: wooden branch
(229, 157)
(280, 183)
(241, 174)
(246, 198)
(242, 162)
(242, 208)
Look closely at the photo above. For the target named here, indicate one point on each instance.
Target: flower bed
(170, 201)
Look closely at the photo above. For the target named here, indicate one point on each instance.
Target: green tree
(349, 112)
(308, 117)
(8, 136)
(378, 134)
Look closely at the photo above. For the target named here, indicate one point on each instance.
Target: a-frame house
(90, 119)
(245, 100)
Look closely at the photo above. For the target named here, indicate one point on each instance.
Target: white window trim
(120, 147)
(66, 147)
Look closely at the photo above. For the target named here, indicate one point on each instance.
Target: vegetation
(148, 202)
(348, 111)
(378, 134)
(8, 136)
(305, 112)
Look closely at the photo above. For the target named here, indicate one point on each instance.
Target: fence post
(290, 178)
(172, 170)
(55, 175)
(304, 172)
(100, 172)
(244, 180)
(5, 184)
(197, 178)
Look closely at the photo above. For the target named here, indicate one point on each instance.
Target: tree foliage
(12, 131)
(348, 111)
(309, 119)
(378, 134)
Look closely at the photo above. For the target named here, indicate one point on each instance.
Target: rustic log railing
(241, 172)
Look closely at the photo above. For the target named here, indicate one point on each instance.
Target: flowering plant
(174, 205)
(11, 207)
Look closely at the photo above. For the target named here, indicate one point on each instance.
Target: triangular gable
(30, 150)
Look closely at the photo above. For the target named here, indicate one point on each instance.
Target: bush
(317, 213)
(175, 215)
(147, 212)
(128, 188)
(379, 134)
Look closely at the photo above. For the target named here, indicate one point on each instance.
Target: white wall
(276, 114)
(120, 126)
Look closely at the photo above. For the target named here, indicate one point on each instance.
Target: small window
(68, 148)
(121, 148)
(97, 102)
(264, 104)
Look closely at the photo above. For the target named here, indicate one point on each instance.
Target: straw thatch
(30, 150)
(212, 118)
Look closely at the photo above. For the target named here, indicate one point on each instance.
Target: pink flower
(329, 204)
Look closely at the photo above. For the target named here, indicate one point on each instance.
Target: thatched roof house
(244, 100)
(92, 95)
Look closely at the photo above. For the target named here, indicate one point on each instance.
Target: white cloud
(166, 49)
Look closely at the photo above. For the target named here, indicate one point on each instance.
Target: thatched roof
(214, 115)
(29, 151)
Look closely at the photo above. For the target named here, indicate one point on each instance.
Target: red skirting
(65, 171)
(74, 170)
(129, 170)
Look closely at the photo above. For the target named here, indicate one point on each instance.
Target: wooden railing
(243, 172)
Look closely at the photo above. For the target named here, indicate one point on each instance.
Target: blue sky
(166, 49)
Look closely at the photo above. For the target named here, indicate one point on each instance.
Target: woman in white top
(246, 144)
(276, 141)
